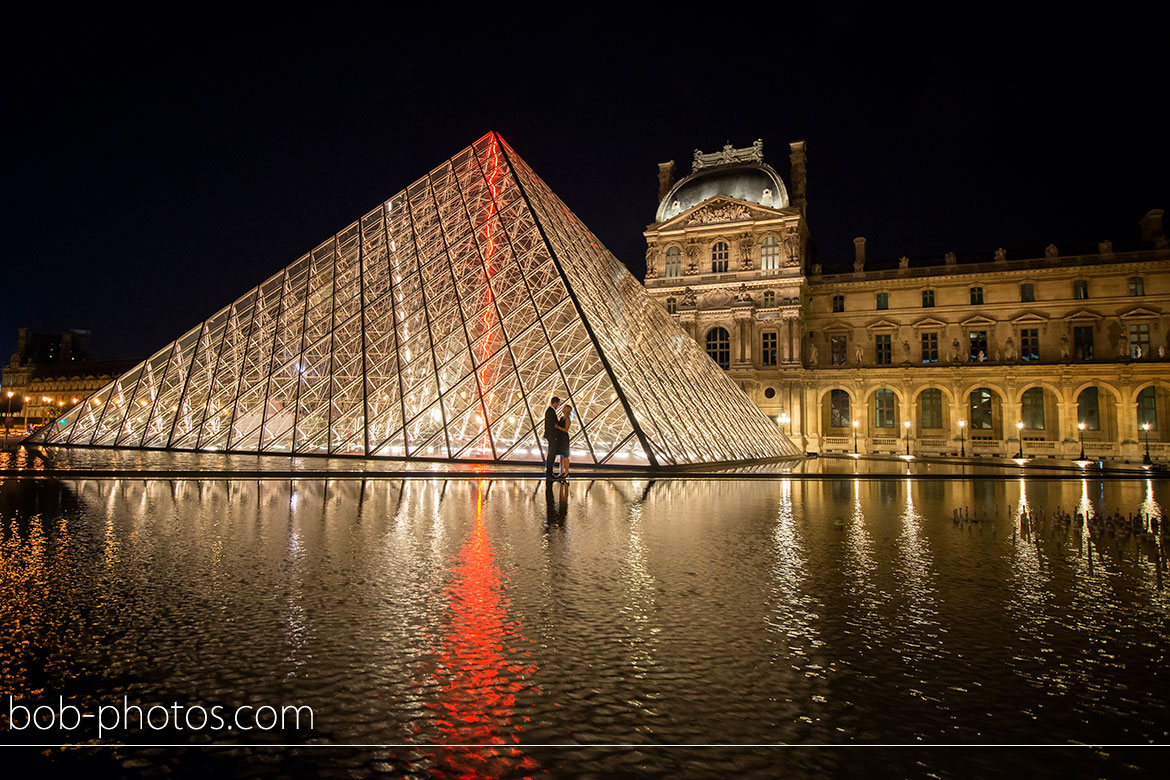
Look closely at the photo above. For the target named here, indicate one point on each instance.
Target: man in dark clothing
(550, 435)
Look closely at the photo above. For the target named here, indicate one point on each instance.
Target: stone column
(743, 350)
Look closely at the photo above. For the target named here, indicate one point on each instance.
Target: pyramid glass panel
(437, 326)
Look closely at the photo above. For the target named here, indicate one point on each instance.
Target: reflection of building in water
(1045, 338)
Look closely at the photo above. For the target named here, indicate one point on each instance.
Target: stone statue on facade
(955, 351)
(1105, 249)
(858, 265)
(688, 297)
(1009, 349)
(791, 248)
(859, 354)
(742, 295)
(812, 353)
(998, 356)
(651, 257)
(982, 357)
(1122, 347)
(1064, 348)
(905, 351)
(950, 259)
(745, 247)
(1001, 255)
(903, 262)
(1051, 252)
(1161, 353)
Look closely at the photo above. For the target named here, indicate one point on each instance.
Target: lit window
(1139, 340)
(1136, 286)
(770, 254)
(1081, 290)
(768, 354)
(1147, 412)
(930, 412)
(1030, 344)
(1027, 293)
(883, 407)
(1083, 342)
(719, 254)
(976, 296)
(929, 347)
(839, 404)
(838, 303)
(719, 346)
(1032, 409)
(1087, 409)
(837, 345)
(980, 409)
(928, 299)
(883, 300)
(674, 261)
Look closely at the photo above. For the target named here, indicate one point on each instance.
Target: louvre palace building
(1008, 356)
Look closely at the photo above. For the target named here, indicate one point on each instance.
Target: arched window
(719, 346)
(719, 254)
(671, 305)
(770, 254)
(1147, 408)
(674, 261)
(883, 407)
(839, 405)
(769, 298)
(980, 409)
(1087, 409)
(1032, 409)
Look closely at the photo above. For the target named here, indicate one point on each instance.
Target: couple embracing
(557, 418)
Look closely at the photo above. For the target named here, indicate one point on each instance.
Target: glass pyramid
(437, 327)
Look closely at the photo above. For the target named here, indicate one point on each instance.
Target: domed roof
(751, 182)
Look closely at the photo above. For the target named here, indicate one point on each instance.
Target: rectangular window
(883, 301)
(1083, 342)
(837, 346)
(1030, 344)
(978, 344)
(928, 299)
(768, 353)
(981, 409)
(930, 415)
(1081, 290)
(929, 347)
(1139, 341)
(1032, 409)
(1027, 293)
(838, 303)
(671, 305)
(976, 296)
(883, 402)
(1148, 409)
(1087, 409)
(883, 354)
(1137, 286)
(840, 410)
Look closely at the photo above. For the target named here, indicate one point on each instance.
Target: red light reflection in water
(478, 681)
(487, 346)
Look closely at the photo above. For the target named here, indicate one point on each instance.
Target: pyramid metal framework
(437, 327)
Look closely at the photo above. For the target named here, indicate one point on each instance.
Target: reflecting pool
(551, 623)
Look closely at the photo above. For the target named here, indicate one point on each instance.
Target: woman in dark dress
(566, 417)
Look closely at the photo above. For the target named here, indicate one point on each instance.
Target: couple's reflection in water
(556, 500)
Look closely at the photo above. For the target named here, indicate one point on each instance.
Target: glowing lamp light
(74, 400)
(10, 393)
(1145, 426)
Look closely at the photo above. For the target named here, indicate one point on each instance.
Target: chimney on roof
(665, 178)
(859, 254)
(1152, 225)
(799, 173)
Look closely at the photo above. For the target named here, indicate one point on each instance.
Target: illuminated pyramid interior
(437, 327)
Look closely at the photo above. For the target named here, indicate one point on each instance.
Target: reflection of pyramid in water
(437, 326)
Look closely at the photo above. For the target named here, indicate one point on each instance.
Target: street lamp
(26, 400)
(1081, 429)
(1020, 436)
(906, 425)
(1146, 460)
(855, 424)
(8, 414)
(962, 439)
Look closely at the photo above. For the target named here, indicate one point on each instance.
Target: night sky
(157, 168)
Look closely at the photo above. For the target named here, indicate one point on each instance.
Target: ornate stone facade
(974, 356)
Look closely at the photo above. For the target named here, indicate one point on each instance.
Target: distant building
(943, 357)
(53, 371)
